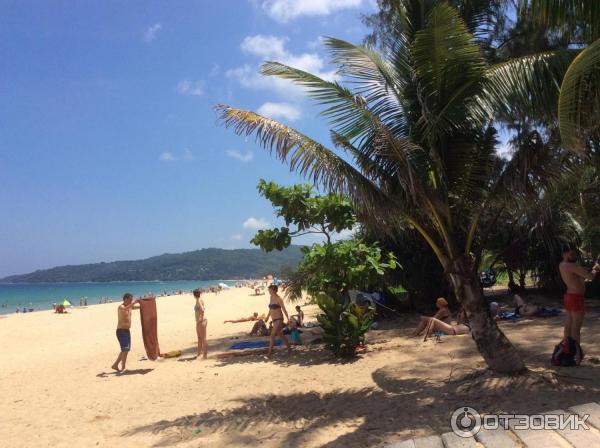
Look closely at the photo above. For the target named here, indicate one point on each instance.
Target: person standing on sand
(574, 277)
(201, 323)
(276, 312)
(123, 326)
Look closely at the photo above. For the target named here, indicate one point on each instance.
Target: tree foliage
(304, 210)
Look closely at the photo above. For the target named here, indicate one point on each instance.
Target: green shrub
(344, 324)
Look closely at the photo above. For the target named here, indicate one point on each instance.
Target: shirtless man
(123, 326)
(574, 277)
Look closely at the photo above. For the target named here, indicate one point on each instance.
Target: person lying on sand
(123, 326)
(243, 319)
(443, 315)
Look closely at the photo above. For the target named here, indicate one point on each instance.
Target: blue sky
(110, 148)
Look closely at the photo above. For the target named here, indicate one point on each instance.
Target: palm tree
(414, 143)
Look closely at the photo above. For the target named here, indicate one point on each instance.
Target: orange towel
(149, 327)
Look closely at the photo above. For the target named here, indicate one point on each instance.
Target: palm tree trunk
(497, 351)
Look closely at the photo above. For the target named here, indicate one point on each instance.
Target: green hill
(204, 264)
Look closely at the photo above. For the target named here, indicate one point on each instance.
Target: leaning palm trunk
(495, 348)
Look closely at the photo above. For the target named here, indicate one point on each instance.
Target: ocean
(41, 296)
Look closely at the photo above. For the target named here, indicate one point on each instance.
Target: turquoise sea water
(41, 296)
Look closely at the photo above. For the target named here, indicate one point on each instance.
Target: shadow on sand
(124, 373)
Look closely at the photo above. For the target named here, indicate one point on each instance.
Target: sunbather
(443, 315)
(433, 325)
(526, 309)
(243, 319)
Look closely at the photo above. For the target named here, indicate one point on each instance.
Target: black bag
(567, 354)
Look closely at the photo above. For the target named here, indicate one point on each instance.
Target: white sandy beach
(58, 390)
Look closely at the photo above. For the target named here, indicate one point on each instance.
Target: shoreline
(42, 296)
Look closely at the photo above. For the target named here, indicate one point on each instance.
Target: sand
(58, 389)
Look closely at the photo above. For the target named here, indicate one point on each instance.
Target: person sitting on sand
(201, 323)
(433, 325)
(243, 319)
(259, 329)
(276, 312)
(443, 315)
(299, 318)
(123, 326)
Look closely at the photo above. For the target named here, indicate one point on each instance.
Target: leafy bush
(344, 324)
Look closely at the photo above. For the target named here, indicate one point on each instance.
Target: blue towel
(252, 344)
(507, 315)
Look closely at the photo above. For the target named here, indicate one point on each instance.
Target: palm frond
(580, 17)
(303, 154)
(578, 110)
(528, 85)
(374, 78)
(449, 70)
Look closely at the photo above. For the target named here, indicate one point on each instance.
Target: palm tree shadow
(397, 407)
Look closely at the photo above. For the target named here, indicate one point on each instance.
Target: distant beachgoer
(123, 329)
(276, 312)
(299, 318)
(574, 277)
(243, 319)
(201, 324)
(442, 314)
(85, 302)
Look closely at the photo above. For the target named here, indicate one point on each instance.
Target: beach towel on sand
(252, 344)
(149, 327)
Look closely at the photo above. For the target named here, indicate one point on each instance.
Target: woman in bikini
(461, 327)
(276, 312)
(443, 314)
(200, 325)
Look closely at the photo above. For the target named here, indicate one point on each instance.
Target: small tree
(328, 270)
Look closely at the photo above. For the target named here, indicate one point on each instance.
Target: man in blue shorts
(123, 326)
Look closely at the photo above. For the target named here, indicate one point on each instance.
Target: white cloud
(187, 87)
(245, 158)
(286, 10)
(273, 48)
(168, 156)
(151, 32)
(237, 237)
(256, 224)
(188, 155)
(265, 46)
(279, 110)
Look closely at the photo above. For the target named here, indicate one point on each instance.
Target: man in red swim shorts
(574, 277)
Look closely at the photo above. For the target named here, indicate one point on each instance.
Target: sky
(110, 148)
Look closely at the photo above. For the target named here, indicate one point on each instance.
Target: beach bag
(567, 354)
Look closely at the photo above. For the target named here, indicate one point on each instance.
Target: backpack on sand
(567, 354)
